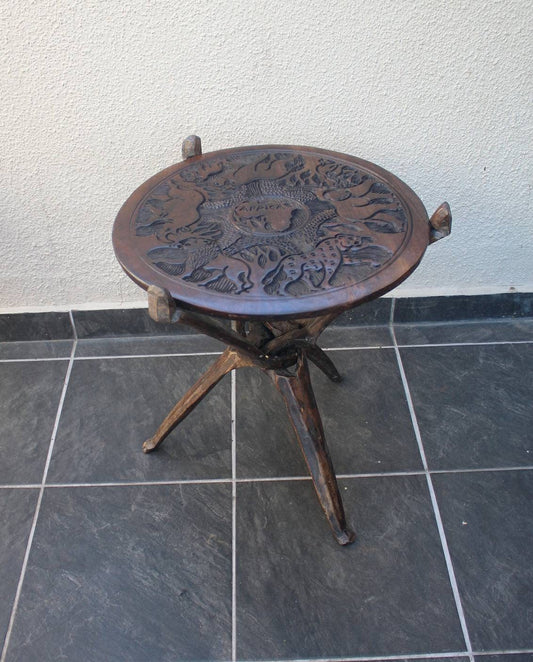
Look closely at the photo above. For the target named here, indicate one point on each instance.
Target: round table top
(271, 232)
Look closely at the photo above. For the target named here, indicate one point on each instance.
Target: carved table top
(271, 232)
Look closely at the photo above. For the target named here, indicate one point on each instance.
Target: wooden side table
(279, 240)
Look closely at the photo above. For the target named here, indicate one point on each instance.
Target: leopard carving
(324, 260)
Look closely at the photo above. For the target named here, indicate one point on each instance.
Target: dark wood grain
(271, 232)
(303, 412)
(280, 240)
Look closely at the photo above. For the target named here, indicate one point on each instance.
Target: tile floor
(214, 548)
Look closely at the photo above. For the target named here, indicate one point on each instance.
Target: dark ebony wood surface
(281, 240)
(271, 232)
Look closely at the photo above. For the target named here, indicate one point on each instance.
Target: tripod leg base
(224, 364)
(301, 406)
(322, 361)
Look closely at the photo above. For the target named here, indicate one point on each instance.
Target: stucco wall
(97, 95)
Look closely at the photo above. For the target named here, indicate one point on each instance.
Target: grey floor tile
(16, 513)
(355, 336)
(376, 311)
(335, 336)
(488, 519)
(29, 397)
(119, 322)
(301, 595)
(460, 658)
(442, 308)
(113, 405)
(39, 349)
(473, 404)
(510, 330)
(128, 573)
(177, 344)
(366, 420)
(35, 326)
(507, 657)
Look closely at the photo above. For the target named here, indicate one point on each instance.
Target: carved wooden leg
(303, 412)
(322, 361)
(224, 364)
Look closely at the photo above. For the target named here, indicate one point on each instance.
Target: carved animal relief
(263, 222)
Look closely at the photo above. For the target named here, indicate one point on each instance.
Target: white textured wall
(97, 95)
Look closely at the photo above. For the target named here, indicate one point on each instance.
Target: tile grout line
(525, 467)
(392, 309)
(382, 658)
(258, 479)
(145, 356)
(74, 330)
(327, 349)
(233, 515)
(470, 343)
(407, 657)
(346, 349)
(54, 358)
(140, 483)
(113, 356)
(513, 651)
(436, 510)
(36, 340)
(38, 504)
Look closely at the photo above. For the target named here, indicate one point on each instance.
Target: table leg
(228, 360)
(299, 398)
(322, 361)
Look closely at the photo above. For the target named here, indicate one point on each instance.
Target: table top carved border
(272, 232)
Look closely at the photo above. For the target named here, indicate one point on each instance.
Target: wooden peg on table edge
(440, 223)
(161, 306)
(191, 146)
